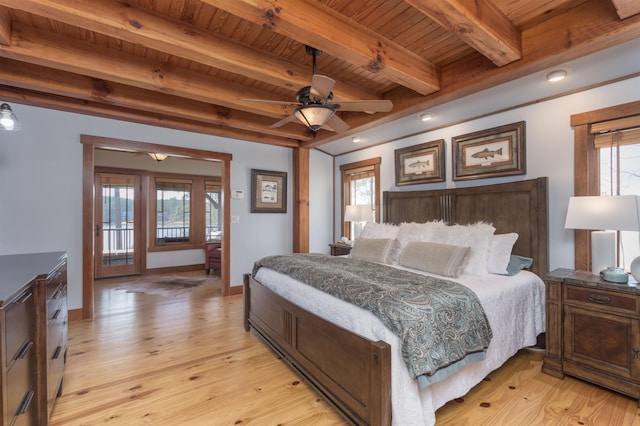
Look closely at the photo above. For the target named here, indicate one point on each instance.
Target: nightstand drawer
(603, 300)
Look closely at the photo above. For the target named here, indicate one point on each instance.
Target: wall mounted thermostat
(238, 194)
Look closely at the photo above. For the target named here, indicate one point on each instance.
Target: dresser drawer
(603, 300)
(19, 323)
(20, 382)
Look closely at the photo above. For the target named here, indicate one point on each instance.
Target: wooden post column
(301, 200)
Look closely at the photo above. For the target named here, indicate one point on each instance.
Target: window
(360, 187)
(187, 209)
(619, 153)
(173, 211)
(606, 153)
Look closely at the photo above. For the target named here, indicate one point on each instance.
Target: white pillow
(500, 252)
(423, 232)
(379, 230)
(477, 236)
(372, 249)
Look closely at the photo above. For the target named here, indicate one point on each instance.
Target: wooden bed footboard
(353, 373)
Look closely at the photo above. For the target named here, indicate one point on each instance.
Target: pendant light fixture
(8, 120)
(158, 156)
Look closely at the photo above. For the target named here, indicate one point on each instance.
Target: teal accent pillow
(518, 263)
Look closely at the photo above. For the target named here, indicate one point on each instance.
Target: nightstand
(593, 330)
(340, 249)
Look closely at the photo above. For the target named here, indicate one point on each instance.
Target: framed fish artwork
(422, 163)
(499, 151)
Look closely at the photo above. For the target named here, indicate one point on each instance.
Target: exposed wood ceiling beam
(626, 8)
(63, 103)
(136, 25)
(5, 26)
(54, 51)
(563, 38)
(319, 26)
(479, 23)
(42, 79)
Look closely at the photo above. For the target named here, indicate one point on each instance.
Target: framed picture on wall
(268, 191)
(499, 151)
(422, 163)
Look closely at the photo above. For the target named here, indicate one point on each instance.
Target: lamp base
(635, 268)
(603, 251)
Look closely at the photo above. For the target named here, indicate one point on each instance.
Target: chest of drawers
(593, 331)
(33, 335)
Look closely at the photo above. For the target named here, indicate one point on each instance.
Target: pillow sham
(441, 259)
(379, 230)
(373, 249)
(500, 253)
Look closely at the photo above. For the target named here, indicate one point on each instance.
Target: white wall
(549, 152)
(41, 189)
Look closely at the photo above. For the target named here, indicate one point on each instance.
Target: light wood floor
(187, 361)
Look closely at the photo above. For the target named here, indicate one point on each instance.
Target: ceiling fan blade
(337, 125)
(266, 101)
(284, 121)
(321, 86)
(371, 106)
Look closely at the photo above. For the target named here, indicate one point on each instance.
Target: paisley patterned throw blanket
(439, 322)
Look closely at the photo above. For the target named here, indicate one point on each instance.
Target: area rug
(167, 286)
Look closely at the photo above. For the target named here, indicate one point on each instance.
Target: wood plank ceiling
(188, 64)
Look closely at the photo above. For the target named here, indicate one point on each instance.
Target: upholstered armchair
(212, 256)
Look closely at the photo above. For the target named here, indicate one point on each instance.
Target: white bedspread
(514, 306)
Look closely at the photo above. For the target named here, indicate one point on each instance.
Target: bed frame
(354, 373)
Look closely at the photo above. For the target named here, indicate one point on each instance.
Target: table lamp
(604, 215)
(358, 214)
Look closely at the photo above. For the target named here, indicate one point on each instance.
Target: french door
(117, 225)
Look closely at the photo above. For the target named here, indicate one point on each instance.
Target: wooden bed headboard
(519, 207)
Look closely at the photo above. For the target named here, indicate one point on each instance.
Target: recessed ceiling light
(556, 75)
(426, 116)
(356, 139)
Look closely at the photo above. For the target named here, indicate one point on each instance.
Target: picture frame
(268, 191)
(499, 151)
(423, 163)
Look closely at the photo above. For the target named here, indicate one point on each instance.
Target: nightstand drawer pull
(602, 299)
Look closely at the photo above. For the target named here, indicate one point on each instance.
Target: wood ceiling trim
(626, 8)
(54, 51)
(136, 25)
(63, 103)
(42, 79)
(5, 26)
(321, 27)
(479, 23)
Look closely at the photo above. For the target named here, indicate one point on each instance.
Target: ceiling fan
(314, 108)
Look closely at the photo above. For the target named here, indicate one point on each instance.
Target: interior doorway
(90, 144)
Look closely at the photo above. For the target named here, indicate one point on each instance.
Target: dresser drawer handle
(24, 350)
(24, 405)
(57, 352)
(24, 297)
(56, 295)
(602, 299)
(56, 314)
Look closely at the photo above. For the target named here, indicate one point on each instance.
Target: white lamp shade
(358, 213)
(618, 213)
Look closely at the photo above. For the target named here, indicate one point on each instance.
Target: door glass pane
(117, 221)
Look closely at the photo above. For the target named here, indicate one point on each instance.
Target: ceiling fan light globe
(8, 120)
(314, 116)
